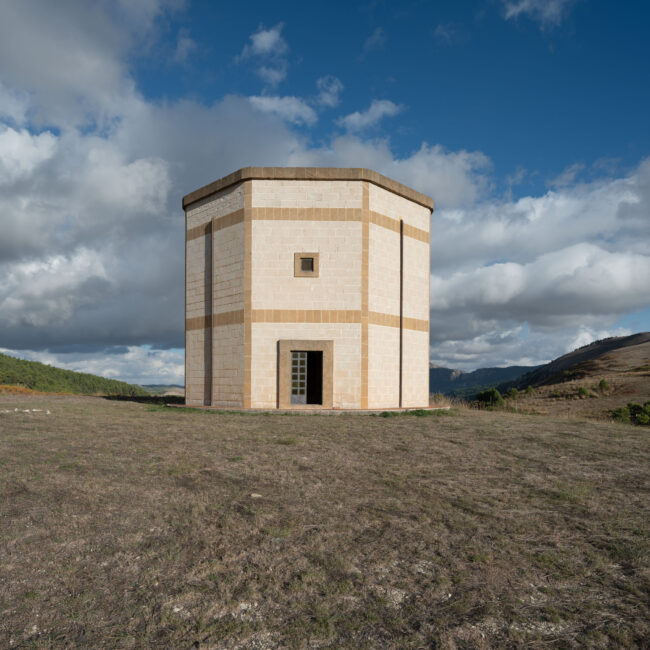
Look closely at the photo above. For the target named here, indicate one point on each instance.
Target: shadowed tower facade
(307, 288)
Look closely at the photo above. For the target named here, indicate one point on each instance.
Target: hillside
(578, 363)
(457, 383)
(590, 381)
(41, 377)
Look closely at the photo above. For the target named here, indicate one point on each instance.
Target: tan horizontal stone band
(224, 318)
(388, 320)
(306, 316)
(229, 318)
(308, 174)
(231, 219)
(391, 320)
(308, 214)
(393, 224)
(198, 231)
(415, 324)
(416, 233)
(340, 316)
(197, 323)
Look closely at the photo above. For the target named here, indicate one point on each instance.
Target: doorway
(307, 377)
(305, 373)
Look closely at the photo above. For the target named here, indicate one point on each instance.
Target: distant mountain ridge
(457, 383)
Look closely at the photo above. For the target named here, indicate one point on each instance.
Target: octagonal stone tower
(307, 287)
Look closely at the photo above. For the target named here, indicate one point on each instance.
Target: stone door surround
(285, 348)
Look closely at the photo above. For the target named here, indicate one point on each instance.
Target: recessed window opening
(305, 265)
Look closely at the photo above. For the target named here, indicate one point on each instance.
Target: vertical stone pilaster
(248, 291)
(185, 312)
(210, 320)
(365, 250)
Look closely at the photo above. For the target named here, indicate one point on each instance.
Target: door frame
(285, 347)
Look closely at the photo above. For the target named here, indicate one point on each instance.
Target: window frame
(297, 265)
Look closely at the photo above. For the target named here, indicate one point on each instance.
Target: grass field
(131, 525)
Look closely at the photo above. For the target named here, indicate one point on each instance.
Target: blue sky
(530, 92)
(526, 120)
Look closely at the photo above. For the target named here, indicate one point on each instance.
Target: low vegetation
(633, 413)
(130, 525)
(41, 377)
(607, 383)
(490, 398)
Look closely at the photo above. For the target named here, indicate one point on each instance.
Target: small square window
(305, 265)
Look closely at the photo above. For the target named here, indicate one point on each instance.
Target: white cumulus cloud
(291, 109)
(547, 12)
(378, 109)
(452, 178)
(14, 104)
(265, 42)
(329, 91)
(543, 268)
(185, 47)
(269, 48)
(21, 152)
(375, 41)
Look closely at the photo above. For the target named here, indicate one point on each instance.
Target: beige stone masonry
(245, 293)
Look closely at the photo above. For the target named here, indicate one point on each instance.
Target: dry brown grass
(11, 389)
(130, 525)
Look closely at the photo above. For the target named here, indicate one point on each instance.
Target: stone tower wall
(244, 295)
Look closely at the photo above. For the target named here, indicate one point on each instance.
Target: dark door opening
(314, 377)
(306, 377)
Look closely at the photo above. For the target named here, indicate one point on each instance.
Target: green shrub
(529, 390)
(513, 393)
(639, 414)
(490, 398)
(583, 392)
(633, 414)
(603, 385)
(642, 418)
(621, 414)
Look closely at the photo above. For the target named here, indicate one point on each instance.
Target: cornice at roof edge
(308, 173)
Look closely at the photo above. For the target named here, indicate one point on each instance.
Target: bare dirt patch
(131, 525)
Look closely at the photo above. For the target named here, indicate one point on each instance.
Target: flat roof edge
(308, 173)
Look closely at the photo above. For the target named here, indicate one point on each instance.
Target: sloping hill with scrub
(584, 361)
(595, 380)
(48, 379)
